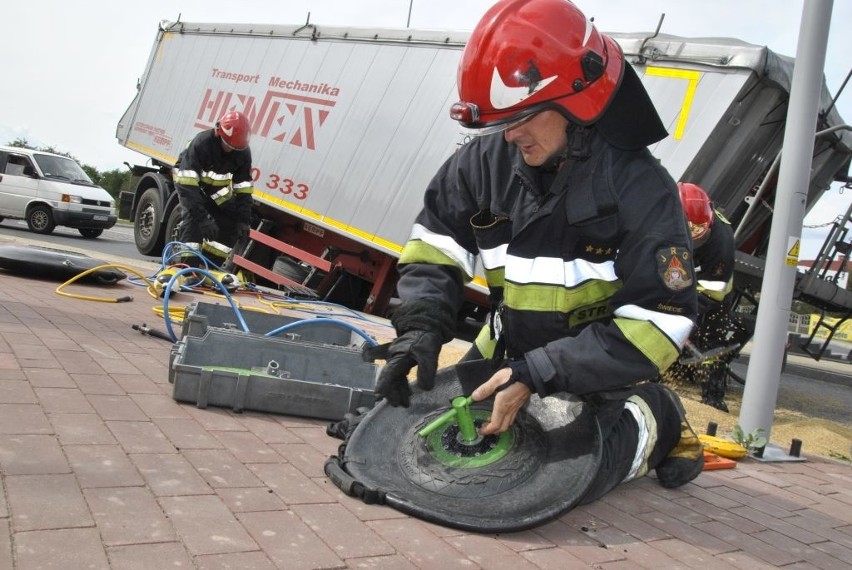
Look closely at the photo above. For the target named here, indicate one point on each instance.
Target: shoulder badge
(674, 265)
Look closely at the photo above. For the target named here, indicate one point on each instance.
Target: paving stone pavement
(102, 469)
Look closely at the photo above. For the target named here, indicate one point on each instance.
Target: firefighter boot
(686, 460)
(714, 386)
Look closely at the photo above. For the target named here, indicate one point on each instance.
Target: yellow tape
(692, 78)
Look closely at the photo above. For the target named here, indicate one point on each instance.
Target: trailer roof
(313, 32)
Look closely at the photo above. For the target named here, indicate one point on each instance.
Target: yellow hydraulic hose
(150, 287)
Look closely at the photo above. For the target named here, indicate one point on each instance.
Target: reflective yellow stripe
(496, 277)
(484, 343)
(222, 195)
(216, 178)
(677, 328)
(651, 341)
(417, 251)
(446, 245)
(555, 297)
(214, 182)
(716, 290)
(186, 177)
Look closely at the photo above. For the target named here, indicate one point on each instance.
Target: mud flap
(535, 472)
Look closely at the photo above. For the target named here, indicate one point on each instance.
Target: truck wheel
(172, 232)
(40, 220)
(90, 233)
(147, 228)
(290, 268)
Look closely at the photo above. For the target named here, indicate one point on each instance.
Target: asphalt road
(116, 242)
(810, 391)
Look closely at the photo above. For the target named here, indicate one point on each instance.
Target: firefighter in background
(713, 250)
(213, 181)
(581, 235)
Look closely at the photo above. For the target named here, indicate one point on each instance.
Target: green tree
(115, 181)
(21, 143)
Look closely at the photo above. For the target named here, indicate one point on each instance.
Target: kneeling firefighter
(214, 183)
(581, 234)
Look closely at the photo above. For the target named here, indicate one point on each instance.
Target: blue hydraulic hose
(168, 292)
(308, 322)
(349, 310)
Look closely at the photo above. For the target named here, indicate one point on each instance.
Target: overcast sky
(71, 67)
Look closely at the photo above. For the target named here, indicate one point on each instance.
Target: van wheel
(147, 229)
(90, 232)
(40, 220)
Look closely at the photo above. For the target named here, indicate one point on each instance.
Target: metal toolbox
(243, 371)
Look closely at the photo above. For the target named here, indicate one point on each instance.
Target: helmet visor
(229, 146)
(499, 126)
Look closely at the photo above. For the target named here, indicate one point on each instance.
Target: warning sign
(792, 251)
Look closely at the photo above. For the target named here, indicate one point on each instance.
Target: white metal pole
(776, 293)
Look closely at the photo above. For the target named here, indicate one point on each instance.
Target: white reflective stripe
(242, 185)
(209, 174)
(713, 285)
(556, 271)
(675, 327)
(495, 257)
(447, 246)
(647, 434)
(186, 174)
(223, 193)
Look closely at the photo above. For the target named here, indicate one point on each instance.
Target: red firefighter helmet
(697, 207)
(525, 56)
(234, 129)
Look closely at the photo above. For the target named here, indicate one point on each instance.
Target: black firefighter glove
(242, 237)
(423, 326)
(419, 348)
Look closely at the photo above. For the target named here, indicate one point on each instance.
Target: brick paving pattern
(102, 469)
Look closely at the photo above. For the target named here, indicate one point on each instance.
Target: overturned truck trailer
(350, 124)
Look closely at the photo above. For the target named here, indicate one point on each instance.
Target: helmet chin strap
(576, 148)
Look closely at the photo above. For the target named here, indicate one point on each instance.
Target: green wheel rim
(442, 444)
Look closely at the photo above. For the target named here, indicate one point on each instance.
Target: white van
(49, 190)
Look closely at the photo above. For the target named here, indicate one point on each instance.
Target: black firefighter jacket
(222, 176)
(714, 265)
(590, 269)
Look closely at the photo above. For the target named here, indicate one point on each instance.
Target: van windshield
(61, 167)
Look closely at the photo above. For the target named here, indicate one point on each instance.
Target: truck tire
(40, 219)
(290, 268)
(172, 231)
(148, 225)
